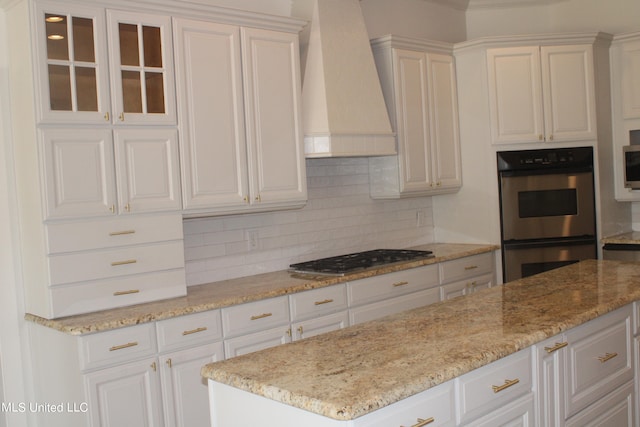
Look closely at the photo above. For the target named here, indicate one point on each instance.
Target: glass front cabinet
(100, 66)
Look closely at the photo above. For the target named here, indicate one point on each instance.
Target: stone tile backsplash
(339, 218)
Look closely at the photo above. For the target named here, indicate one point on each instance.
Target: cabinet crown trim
(534, 39)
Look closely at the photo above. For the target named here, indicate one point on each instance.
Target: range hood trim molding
(349, 145)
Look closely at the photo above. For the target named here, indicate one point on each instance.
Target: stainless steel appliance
(359, 261)
(547, 209)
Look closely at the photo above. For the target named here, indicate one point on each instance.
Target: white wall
(339, 218)
(610, 16)
(12, 376)
(414, 18)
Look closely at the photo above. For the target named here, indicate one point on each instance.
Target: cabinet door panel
(78, 176)
(184, 390)
(211, 111)
(443, 113)
(125, 396)
(142, 77)
(413, 120)
(148, 171)
(630, 84)
(568, 92)
(257, 341)
(515, 94)
(73, 82)
(274, 134)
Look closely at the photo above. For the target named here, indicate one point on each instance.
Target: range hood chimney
(343, 109)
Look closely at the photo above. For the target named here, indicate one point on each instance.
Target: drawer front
(494, 385)
(305, 305)
(599, 359)
(117, 346)
(380, 309)
(193, 329)
(462, 268)
(257, 341)
(388, 285)
(465, 287)
(77, 267)
(118, 292)
(255, 316)
(435, 405)
(113, 232)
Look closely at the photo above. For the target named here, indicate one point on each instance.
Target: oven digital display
(541, 203)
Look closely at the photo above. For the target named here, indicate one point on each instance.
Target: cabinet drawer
(255, 316)
(117, 346)
(394, 305)
(117, 292)
(494, 385)
(77, 267)
(437, 403)
(599, 359)
(388, 285)
(317, 302)
(257, 341)
(192, 329)
(320, 325)
(462, 268)
(113, 232)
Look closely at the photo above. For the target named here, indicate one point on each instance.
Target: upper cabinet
(419, 87)
(239, 116)
(630, 63)
(78, 48)
(541, 93)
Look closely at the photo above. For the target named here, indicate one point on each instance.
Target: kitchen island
(335, 378)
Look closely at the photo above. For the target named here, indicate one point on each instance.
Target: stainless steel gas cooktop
(343, 264)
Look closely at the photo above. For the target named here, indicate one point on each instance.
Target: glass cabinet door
(142, 68)
(74, 82)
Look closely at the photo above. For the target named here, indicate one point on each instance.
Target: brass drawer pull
(471, 267)
(121, 233)
(122, 346)
(607, 356)
(195, 331)
(125, 262)
(507, 384)
(326, 301)
(422, 422)
(130, 291)
(261, 316)
(395, 285)
(556, 347)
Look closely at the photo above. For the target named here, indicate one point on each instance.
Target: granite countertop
(353, 371)
(237, 291)
(629, 238)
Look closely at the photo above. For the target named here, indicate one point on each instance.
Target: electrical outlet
(253, 240)
(420, 218)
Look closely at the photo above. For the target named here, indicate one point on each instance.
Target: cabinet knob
(540, 137)
(154, 366)
(121, 117)
(300, 330)
(550, 137)
(106, 116)
(258, 198)
(169, 363)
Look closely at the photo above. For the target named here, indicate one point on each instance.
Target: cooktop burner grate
(343, 264)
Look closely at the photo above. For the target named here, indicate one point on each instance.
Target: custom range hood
(343, 109)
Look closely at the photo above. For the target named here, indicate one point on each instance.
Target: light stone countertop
(353, 371)
(629, 238)
(237, 291)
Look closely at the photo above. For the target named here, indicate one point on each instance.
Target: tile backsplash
(339, 218)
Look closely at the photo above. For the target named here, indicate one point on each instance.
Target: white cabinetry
(239, 117)
(419, 87)
(390, 293)
(73, 65)
(148, 374)
(584, 375)
(318, 311)
(625, 99)
(466, 275)
(542, 93)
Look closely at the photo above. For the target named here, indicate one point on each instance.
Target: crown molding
(492, 4)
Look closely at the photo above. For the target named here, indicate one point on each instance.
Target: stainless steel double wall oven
(547, 209)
